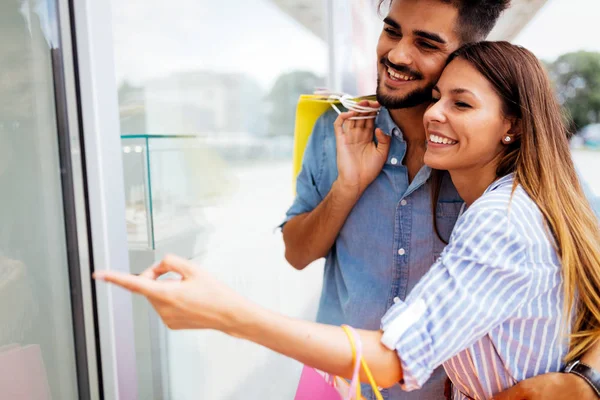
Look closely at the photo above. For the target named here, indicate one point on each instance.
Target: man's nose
(401, 54)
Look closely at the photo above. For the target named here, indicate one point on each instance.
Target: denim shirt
(387, 242)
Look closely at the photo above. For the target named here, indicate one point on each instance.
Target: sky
(156, 38)
(563, 26)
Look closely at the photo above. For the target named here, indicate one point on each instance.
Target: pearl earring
(507, 139)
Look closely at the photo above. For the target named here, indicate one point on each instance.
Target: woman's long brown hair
(540, 159)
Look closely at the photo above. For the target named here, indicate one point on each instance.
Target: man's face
(417, 38)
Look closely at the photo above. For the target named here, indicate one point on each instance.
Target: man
(366, 206)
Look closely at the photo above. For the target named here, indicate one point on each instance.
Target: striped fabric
(490, 308)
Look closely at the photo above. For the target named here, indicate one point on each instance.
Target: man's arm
(309, 236)
(556, 385)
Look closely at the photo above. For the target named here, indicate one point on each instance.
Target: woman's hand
(197, 301)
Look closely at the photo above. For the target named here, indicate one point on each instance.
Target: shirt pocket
(447, 214)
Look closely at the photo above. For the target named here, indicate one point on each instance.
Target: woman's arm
(324, 347)
(455, 304)
(198, 301)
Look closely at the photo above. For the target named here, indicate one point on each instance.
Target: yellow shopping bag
(310, 107)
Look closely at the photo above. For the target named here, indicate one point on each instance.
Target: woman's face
(465, 125)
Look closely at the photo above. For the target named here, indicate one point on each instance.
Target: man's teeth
(441, 140)
(396, 76)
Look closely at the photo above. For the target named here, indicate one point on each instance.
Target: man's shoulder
(325, 121)
(323, 134)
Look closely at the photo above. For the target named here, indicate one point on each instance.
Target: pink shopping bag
(314, 386)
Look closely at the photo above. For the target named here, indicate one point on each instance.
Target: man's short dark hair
(476, 18)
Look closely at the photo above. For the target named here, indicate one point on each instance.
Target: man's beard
(412, 99)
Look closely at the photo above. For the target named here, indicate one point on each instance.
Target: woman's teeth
(441, 140)
(399, 77)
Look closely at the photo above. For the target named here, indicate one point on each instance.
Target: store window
(37, 346)
(207, 95)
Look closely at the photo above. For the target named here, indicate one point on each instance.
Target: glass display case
(170, 180)
(164, 192)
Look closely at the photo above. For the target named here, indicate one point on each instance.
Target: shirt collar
(385, 122)
(502, 181)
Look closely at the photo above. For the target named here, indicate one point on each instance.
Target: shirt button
(394, 161)
(396, 300)
(403, 202)
(401, 252)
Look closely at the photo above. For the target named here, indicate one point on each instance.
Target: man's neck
(410, 122)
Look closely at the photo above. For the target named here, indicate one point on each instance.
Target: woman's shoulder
(505, 198)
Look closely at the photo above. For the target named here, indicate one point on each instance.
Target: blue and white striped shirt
(490, 309)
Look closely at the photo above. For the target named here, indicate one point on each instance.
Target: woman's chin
(434, 162)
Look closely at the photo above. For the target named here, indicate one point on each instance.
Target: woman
(521, 270)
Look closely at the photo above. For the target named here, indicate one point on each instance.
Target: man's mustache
(403, 69)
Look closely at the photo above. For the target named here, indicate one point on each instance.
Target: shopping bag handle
(349, 102)
(358, 361)
(356, 357)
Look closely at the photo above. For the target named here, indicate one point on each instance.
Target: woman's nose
(435, 113)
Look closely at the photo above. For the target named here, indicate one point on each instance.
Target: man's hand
(359, 158)
(555, 386)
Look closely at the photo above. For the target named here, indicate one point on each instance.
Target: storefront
(137, 128)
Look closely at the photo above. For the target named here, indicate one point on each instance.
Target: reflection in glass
(228, 76)
(36, 333)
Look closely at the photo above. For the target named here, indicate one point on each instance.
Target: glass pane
(178, 188)
(36, 334)
(137, 206)
(166, 188)
(229, 76)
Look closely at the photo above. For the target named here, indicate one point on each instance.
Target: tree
(577, 80)
(283, 99)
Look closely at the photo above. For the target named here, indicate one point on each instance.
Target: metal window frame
(103, 177)
(73, 200)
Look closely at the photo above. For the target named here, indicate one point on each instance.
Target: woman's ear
(513, 131)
